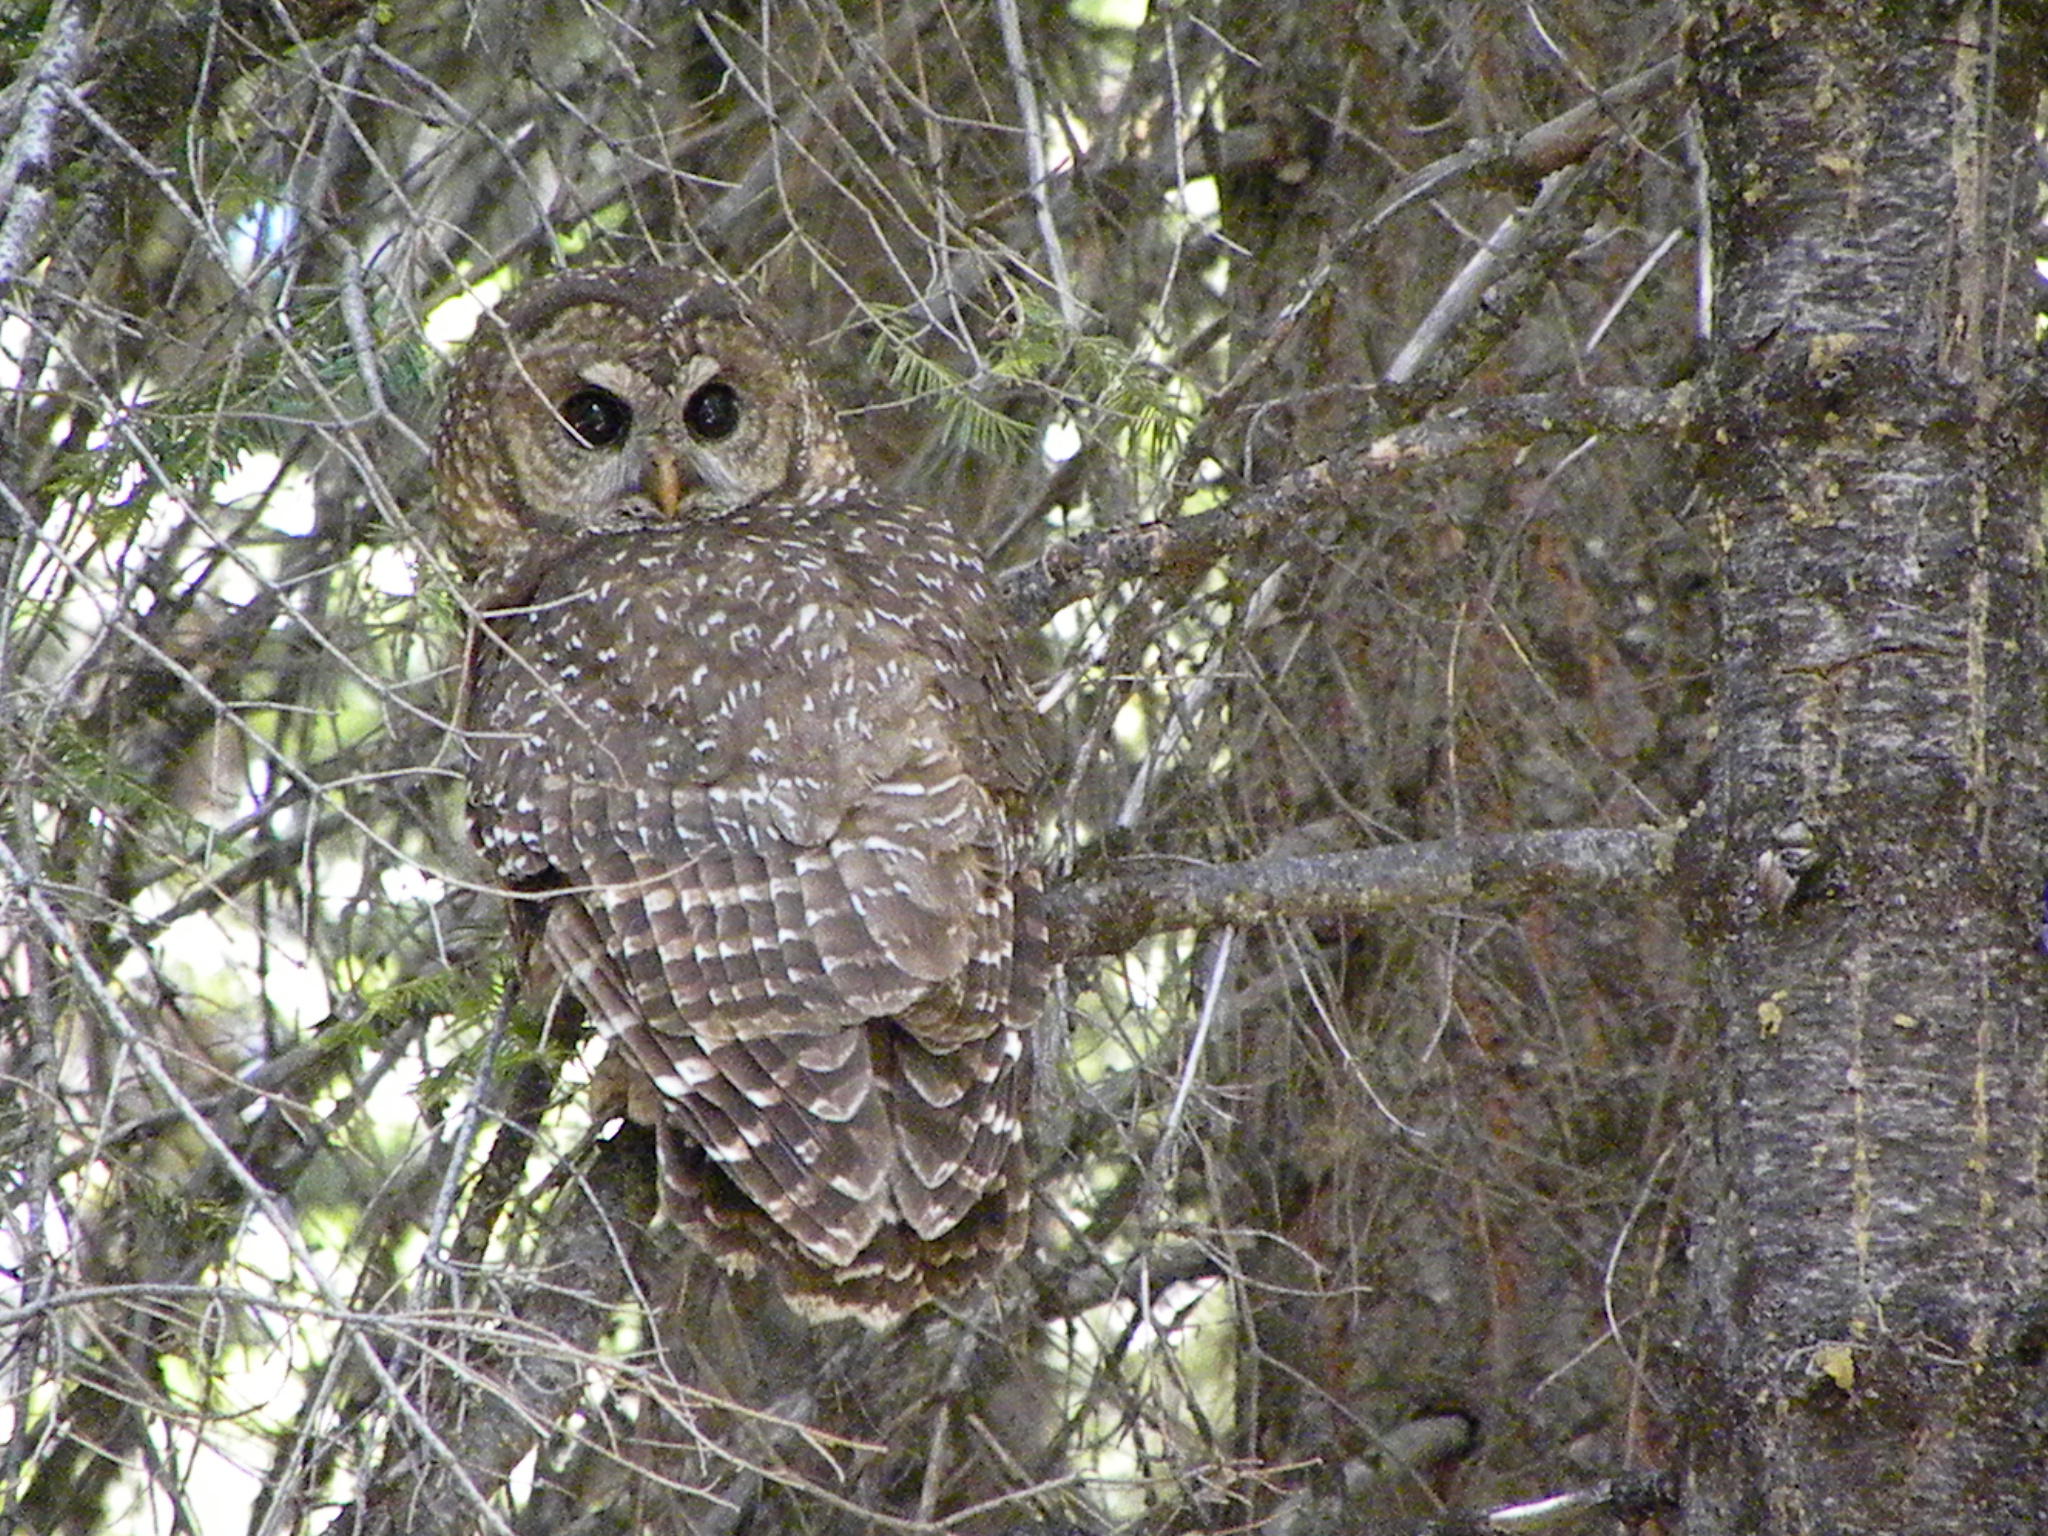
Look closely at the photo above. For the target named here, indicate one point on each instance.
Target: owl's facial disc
(601, 421)
(690, 442)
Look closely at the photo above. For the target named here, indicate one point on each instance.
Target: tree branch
(490, 1397)
(1146, 896)
(25, 162)
(1549, 146)
(1073, 570)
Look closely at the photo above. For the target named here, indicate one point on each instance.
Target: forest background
(1532, 518)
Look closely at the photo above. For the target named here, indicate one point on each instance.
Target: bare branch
(490, 1402)
(25, 162)
(1547, 147)
(1068, 572)
(1099, 917)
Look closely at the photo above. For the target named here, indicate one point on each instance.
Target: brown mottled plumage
(748, 745)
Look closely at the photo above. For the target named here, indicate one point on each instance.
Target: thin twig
(1034, 162)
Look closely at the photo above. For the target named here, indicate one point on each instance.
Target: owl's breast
(707, 655)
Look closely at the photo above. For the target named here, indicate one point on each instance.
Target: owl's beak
(661, 482)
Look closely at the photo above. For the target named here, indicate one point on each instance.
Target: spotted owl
(749, 749)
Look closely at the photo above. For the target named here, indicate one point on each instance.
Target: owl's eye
(599, 418)
(713, 412)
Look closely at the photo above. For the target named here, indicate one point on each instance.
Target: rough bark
(1869, 1240)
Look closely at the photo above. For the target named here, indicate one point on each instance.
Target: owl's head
(618, 399)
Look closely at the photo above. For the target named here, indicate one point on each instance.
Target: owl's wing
(756, 803)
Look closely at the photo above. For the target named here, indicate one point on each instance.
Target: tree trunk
(1871, 1320)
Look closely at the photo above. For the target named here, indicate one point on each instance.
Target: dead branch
(1107, 916)
(1068, 572)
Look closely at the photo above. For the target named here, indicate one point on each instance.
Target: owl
(749, 750)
